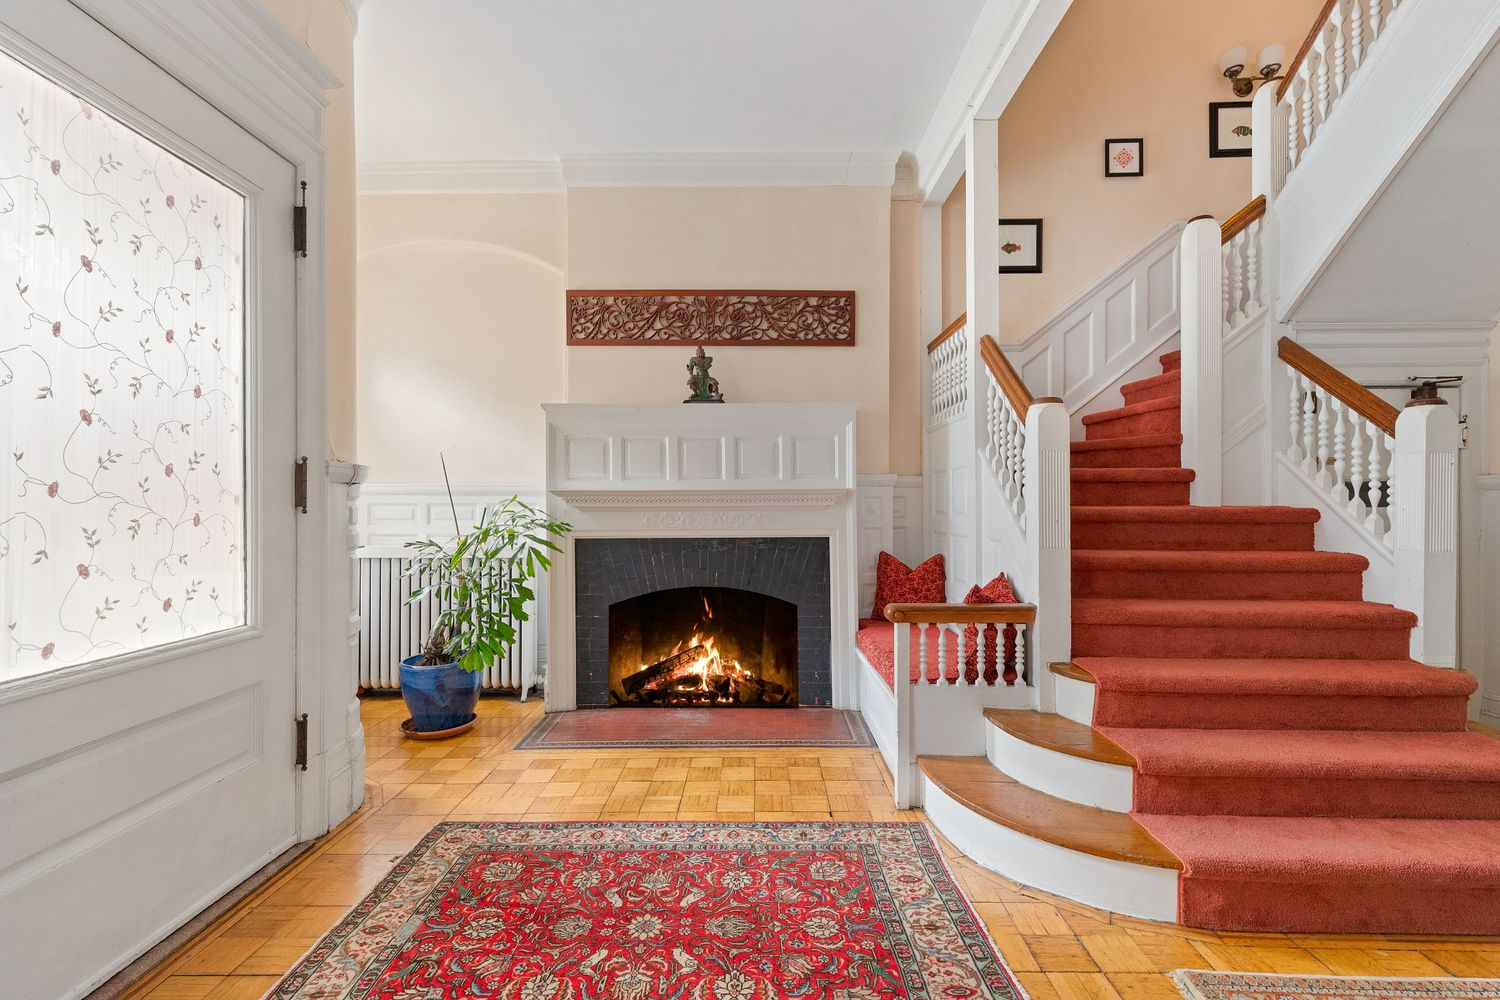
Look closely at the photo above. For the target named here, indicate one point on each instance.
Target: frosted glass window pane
(122, 518)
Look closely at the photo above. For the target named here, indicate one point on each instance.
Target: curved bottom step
(1094, 856)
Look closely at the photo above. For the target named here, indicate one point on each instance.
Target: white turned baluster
(942, 655)
(1020, 654)
(1252, 268)
(1309, 426)
(961, 639)
(1017, 464)
(1320, 48)
(1305, 76)
(1375, 522)
(1356, 35)
(1325, 452)
(979, 650)
(1336, 18)
(1293, 125)
(1294, 419)
(1355, 504)
(921, 654)
(1224, 293)
(1236, 277)
(1375, 20)
(1340, 451)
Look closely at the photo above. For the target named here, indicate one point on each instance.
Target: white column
(1268, 139)
(1048, 463)
(1424, 475)
(1203, 359)
(982, 263)
(904, 767)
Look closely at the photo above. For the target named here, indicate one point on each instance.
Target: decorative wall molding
(676, 499)
(876, 169)
(688, 317)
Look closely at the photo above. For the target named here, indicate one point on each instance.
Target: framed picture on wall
(1020, 246)
(1124, 157)
(1229, 128)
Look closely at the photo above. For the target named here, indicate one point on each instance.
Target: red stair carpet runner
(1307, 773)
(709, 911)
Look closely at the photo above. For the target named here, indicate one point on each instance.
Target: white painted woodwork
(1210, 297)
(1063, 776)
(949, 378)
(752, 470)
(1048, 563)
(949, 461)
(1075, 699)
(149, 784)
(1425, 535)
(1135, 890)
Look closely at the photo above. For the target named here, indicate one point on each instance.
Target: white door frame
(238, 57)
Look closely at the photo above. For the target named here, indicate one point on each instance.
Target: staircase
(1281, 759)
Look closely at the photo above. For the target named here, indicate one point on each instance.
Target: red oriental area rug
(625, 727)
(1199, 985)
(634, 911)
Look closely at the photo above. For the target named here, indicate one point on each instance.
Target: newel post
(1202, 313)
(904, 767)
(1268, 138)
(1424, 523)
(1049, 531)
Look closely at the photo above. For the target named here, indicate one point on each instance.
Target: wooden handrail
(1239, 221)
(1005, 376)
(1351, 393)
(962, 614)
(948, 331)
(1290, 69)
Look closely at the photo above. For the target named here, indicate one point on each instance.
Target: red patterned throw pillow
(898, 583)
(997, 591)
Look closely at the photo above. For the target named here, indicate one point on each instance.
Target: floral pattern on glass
(122, 522)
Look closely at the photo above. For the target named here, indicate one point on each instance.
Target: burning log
(663, 673)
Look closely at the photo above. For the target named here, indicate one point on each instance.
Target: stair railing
(1390, 474)
(1318, 76)
(948, 373)
(927, 719)
(1027, 528)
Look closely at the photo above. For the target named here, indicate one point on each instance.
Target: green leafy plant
(480, 582)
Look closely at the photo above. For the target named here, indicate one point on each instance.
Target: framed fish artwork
(1229, 128)
(1020, 246)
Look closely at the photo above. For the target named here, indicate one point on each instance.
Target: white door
(147, 554)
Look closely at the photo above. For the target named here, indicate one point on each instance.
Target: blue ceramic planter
(440, 697)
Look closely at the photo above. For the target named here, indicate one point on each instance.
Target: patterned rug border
(537, 739)
(1209, 984)
(402, 867)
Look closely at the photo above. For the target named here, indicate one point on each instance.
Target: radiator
(391, 629)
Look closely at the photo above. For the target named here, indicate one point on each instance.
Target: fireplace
(703, 647)
(702, 622)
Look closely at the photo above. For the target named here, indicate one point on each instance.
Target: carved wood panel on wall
(750, 318)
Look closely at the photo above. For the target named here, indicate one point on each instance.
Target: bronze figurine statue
(703, 386)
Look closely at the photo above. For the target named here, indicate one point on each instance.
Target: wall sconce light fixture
(1232, 62)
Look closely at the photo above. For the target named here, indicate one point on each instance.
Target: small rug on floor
(1199, 985)
(616, 728)
(707, 911)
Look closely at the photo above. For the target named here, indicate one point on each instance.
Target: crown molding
(631, 170)
(460, 177)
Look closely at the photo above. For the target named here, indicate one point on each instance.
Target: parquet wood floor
(1059, 949)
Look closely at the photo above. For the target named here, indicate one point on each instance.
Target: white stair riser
(1075, 700)
(1134, 890)
(1063, 776)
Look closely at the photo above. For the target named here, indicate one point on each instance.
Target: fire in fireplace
(702, 647)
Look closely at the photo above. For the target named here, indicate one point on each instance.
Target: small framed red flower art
(1124, 157)
(1020, 246)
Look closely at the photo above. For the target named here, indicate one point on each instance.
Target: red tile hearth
(715, 911)
(698, 727)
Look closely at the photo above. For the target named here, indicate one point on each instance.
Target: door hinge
(299, 484)
(301, 761)
(299, 224)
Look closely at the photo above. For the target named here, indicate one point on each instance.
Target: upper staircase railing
(1320, 73)
(948, 368)
(1006, 405)
(1240, 237)
(1391, 475)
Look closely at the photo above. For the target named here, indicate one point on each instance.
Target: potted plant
(479, 583)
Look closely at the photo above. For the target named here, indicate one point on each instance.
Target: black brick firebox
(608, 570)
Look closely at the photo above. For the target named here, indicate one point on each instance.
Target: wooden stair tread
(1072, 671)
(1053, 732)
(979, 786)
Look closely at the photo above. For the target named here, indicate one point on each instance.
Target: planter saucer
(436, 734)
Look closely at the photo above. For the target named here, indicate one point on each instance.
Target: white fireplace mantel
(702, 471)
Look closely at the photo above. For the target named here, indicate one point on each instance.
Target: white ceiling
(457, 81)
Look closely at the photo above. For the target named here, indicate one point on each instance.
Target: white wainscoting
(1486, 632)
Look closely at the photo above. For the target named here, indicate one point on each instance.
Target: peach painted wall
(327, 29)
(461, 334)
(783, 237)
(1112, 70)
(955, 275)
